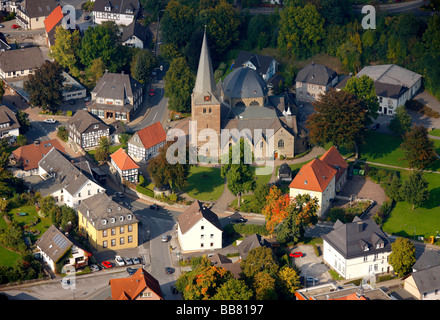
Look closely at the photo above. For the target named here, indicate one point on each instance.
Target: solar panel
(60, 241)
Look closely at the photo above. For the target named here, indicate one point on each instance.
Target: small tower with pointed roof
(205, 105)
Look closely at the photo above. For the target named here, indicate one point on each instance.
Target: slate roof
(135, 29)
(102, 210)
(194, 213)
(116, 86)
(38, 8)
(316, 74)
(391, 74)
(261, 62)
(388, 90)
(83, 120)
(53, 243)
(8, 116)
(428, 259)
(21, 59)
(117, 6)
(31, 154)
(130, 288)
(350, 239)
(62, 174)
(244, 83)
(251, 242)
(427, 280)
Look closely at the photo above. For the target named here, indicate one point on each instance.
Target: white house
(122, 12)
(146, 143)
(321, 178)
(135, 35)
(20, 62)
(9, 126)
(394, 85)
(358, 249)
(53, 245)
(69, 183)
(199, 229)
(265, 66)
(312, 80)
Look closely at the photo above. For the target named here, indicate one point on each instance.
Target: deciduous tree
(415, 189)
(418, 149)
(401, 121)
(179, 83)
(403, 256)
(363, 87)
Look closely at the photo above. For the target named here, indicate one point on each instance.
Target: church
(242, 103)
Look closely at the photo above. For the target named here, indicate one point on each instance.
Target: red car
(107, 264)
(15, 26)
(296, 255)
(152, 92)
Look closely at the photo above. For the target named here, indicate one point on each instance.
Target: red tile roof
(130, 288)
(31, 154)
(123, 160)
(53, 18)
(152, 135)
(313, 176)
(334, 159)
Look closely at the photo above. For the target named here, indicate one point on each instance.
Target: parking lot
(311, 265)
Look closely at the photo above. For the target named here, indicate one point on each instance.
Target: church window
(210, 111)
(281, 143)
(254, 103)
(204, 110)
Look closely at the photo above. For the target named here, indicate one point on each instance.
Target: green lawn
(7, 257)
(435, 132)
(205, 183)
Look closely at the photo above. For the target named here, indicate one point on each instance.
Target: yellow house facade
(106, 224)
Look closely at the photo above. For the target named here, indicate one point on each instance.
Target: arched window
(204, 110)
(254, 103)
(281, 143)
(210, 111)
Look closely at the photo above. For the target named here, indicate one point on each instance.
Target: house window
(113, 231)
(121, 229)
(202, 245)
(130, 228)
(202, 227)
(146, 294)
(130, 239)
(281, 143)
(104, 233)
(211, 244)
(121, 240)
(104, 244)
(202, 236)
(212, 235)
(113, 242)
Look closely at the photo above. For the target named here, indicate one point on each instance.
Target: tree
(66, 48)
(289, 281)
(163, 173)
(233, 289)
(258, 260)
(415, 189)
(23, 120)
(95, 71)
(363, 87)
(339, 118)
(417, 148)
(275, 209)
(301, 30)
(103, 41)
(179, 83)
(45, 86)
(240, 177)
(401, 121)
(265, 286)
(403, 256)
(102, 152)
(394, 189)
(142, 65)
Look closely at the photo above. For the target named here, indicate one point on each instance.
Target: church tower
(205, 106)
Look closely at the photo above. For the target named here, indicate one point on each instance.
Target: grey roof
(54, 243)
(38, 8)
(388, 90)
(194, 213)
(244, 83)
(84, 122)
(316, 74)
(103, 213)
(261, 62)
(116, 86)
(135, 29)
(205, 82)
(21, 59)
(428, 259)
(63, 174)
(391, 74)
(350, 239)
(427, 280)
(285, 169)
(8, 116)
(251, 242)
(117, 6)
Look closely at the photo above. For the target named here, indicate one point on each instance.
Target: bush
(62, 133)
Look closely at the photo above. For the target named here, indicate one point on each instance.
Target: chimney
(360, 226)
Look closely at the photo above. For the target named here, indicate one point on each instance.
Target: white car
(49, 121)
(164, 238)
(119, 261)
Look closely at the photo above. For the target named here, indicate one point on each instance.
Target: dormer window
(128, 10)
(108, 8)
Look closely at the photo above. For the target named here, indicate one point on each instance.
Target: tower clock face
(207, 98)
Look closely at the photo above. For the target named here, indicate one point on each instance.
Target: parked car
(2, 26)
(94, 268)
(128, 260)
(65, 281)
(174, 290)
(311, 279)
(50, 121)
(169, 270)
(127, 205)
(136, 260)
(296, 255)
(374, 126)
(131, 271)
(87, 99)
(152, 92)
(239, 220)
(154, 207)
(87, 18)
(107, 264)
(164, 238)
(15, 26)
(119, 260)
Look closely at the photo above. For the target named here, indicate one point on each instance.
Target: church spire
(205, 83)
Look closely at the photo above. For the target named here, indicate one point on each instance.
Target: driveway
(311, 265)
